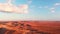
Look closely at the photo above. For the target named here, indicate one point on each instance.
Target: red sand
(44, 27)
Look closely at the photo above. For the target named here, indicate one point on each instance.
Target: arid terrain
(29, 27)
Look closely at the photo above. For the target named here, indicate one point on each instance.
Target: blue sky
(37, 10)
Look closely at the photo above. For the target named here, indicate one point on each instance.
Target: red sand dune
(30, 27)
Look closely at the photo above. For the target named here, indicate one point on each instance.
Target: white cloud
(8, 7)
(43, 7)
(57, 4)
(52, 10)
(29, 2)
